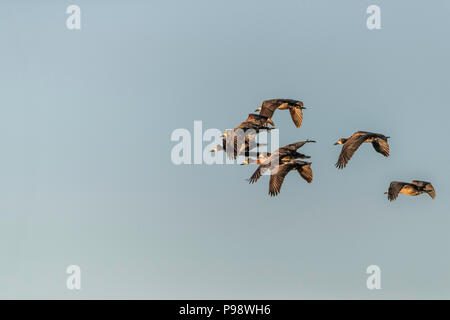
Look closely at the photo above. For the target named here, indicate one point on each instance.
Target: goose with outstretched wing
(414, 188)
(351, 144)
(295, 107)
(281, 155)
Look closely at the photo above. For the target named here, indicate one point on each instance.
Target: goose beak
(336, 143)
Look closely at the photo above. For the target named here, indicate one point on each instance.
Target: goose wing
(268, 107)
(305, 171)
(257, 174)
(239, 142)
(242, 147)
(394, 189)
(247, 124)
(252, 120)
(420, 183)
(255, 117)
(229, 147)
(381, 146)
(430, 190)
(349, 148)
(426, 186)
(233, 143)
(297, 116)
(296, 145)
(277, 178)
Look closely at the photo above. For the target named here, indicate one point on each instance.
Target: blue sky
(87, 179)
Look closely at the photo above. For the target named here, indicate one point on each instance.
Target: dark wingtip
(340, 166)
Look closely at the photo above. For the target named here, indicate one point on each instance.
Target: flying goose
(295, 107)
(241, 139)
(410, 189)
(350, 145)
(279, 156)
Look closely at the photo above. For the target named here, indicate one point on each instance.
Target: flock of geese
(242, 139)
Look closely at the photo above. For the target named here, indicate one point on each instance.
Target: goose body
(260, 157)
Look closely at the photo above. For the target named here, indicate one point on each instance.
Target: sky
(86, 172)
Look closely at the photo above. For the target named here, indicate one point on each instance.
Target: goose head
(340, 141)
